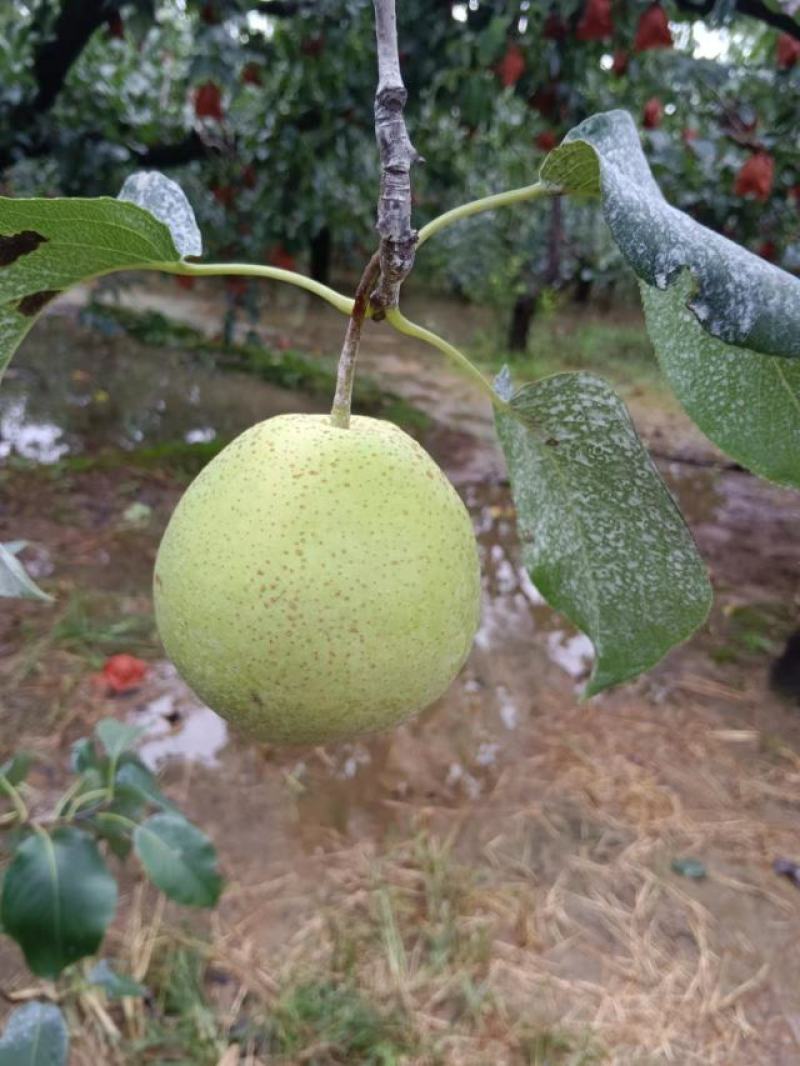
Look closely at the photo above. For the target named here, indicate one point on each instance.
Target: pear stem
(345, 376)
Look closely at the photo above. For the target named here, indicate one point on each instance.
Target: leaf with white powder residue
(601, 536)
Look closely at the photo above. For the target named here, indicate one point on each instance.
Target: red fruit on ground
(653, 30)
(596, 23)
(122, 673)
(184, 282)
(787, 51)
(756, 176)
(652, 114)
(546, 140)
(208, 101)
(512, 66)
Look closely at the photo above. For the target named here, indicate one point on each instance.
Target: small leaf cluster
(59, 894)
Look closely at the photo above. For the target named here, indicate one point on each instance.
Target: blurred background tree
(262, 110)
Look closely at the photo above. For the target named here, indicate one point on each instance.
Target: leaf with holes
(601, 536)
(179, 859)
(47, 245)
(58, 899)
(35, 1035)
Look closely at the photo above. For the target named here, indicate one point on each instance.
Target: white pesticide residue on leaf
(746, 403)
(167, 201)
(601, 537)
(739, 297)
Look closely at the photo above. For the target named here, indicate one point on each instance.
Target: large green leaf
(58, 899)
(47, 245)
(179, 859)
(35, 1035)
(748, 404)
(737, 297)
(601, 536)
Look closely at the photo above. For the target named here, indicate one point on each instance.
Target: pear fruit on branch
(315, 582)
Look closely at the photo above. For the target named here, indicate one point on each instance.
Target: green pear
(315, 582)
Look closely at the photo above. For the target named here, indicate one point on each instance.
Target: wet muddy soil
(579, 810)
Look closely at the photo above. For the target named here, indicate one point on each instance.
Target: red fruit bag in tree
(511, 66)
(596, 23)
(208, 101)
(620, 64)
(652, 114)
(279, 257)
(756, 177)
(653, 30)
(251, 74)
(787, 51)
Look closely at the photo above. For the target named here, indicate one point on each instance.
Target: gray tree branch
(397, 156)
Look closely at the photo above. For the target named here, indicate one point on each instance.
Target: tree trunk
(521, 318)
(321, 247)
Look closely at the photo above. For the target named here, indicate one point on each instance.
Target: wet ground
(567, 815)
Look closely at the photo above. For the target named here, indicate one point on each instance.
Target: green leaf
(179, 859)
(116, 737)
(737, 297)
(133, 777)
(748, 404)
(58, 899)
(14, 580)
(16, 769)
(83, 756)
(47, 245)
(35, 1035)
(113, 984)
(601, 536)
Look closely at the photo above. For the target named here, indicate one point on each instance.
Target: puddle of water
(110, 393)
(175, 724)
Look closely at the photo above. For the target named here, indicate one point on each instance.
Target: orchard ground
(491, 883)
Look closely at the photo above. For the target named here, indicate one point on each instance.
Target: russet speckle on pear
(315, 583)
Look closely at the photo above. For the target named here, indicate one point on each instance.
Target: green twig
(411, 329)
(251, 270)
(487, 203)
(17, 801)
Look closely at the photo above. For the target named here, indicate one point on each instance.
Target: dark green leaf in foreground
(35, 1035)
(47, 245)
(737, 297)
(14, 580)
(747, 403)
(58, 899)
(114, 985)
(601, 536)
(179, 859)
